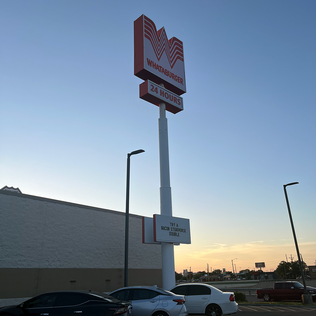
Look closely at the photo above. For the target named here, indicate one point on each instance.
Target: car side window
(44, 300)
(153, 294)
(288, 285)
(199, 290)
(278, 286)
(180, 290)
(123, 295)
(67, 299)
(143, 294)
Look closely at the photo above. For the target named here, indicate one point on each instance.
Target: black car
(68, 303)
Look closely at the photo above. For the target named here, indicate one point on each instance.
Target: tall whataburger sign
(160, 63)
(158, 59)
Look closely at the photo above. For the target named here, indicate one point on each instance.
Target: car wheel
(266, 297)
(160, 314)
(213, 310)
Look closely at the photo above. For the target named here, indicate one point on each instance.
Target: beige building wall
(50, 245)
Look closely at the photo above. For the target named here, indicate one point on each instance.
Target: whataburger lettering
(158, 59)
(164, 71)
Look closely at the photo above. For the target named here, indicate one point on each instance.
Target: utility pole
(208, 277)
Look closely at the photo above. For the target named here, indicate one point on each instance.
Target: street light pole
(295, 240)
(233, 264)
(127, 214)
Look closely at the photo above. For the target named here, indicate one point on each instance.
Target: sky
(70, 112)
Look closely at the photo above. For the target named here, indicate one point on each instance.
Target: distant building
(312, 272)
(50, 245)
(268, 276)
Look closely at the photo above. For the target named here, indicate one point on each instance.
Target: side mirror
(292, 287)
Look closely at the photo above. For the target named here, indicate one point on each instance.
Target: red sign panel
(156, 58)
(156, 94)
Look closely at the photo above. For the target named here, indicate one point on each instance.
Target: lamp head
(135, 152)
(292, 183)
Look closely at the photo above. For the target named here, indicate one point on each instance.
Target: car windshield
(104, 296)
(298, 285)
(165, 292)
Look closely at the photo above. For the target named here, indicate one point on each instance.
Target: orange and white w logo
(160, 43)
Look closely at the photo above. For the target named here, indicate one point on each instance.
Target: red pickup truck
(286, 291)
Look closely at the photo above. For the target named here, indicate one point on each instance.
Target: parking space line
(254, 308)
(292, 309)
(280, 309)
(246, 308)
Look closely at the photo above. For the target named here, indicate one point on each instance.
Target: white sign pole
(167, 251)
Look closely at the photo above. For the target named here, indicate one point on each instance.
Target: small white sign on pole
(171, 229)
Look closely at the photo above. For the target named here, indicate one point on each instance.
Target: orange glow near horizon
(220, 256)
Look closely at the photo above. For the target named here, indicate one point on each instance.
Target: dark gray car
(69, 303)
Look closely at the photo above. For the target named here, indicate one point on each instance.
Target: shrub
(240, 297)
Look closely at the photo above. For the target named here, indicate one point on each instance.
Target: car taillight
(179, 301)
(232, 298)
(119, 311)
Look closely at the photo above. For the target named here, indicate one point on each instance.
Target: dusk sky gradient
(70, 112)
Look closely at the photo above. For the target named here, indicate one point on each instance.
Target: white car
(202, 298)
(152, 301)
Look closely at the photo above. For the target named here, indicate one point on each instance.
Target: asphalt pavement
(275, 310)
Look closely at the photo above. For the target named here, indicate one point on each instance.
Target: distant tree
(296, 270)
(249, 275)
(290, 270)
(199, 274)
(190, 276)
(179, 276)
(283, 270)
(246, 274)
(217, 271)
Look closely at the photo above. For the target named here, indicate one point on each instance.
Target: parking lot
(253, 306)
(258, 307)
